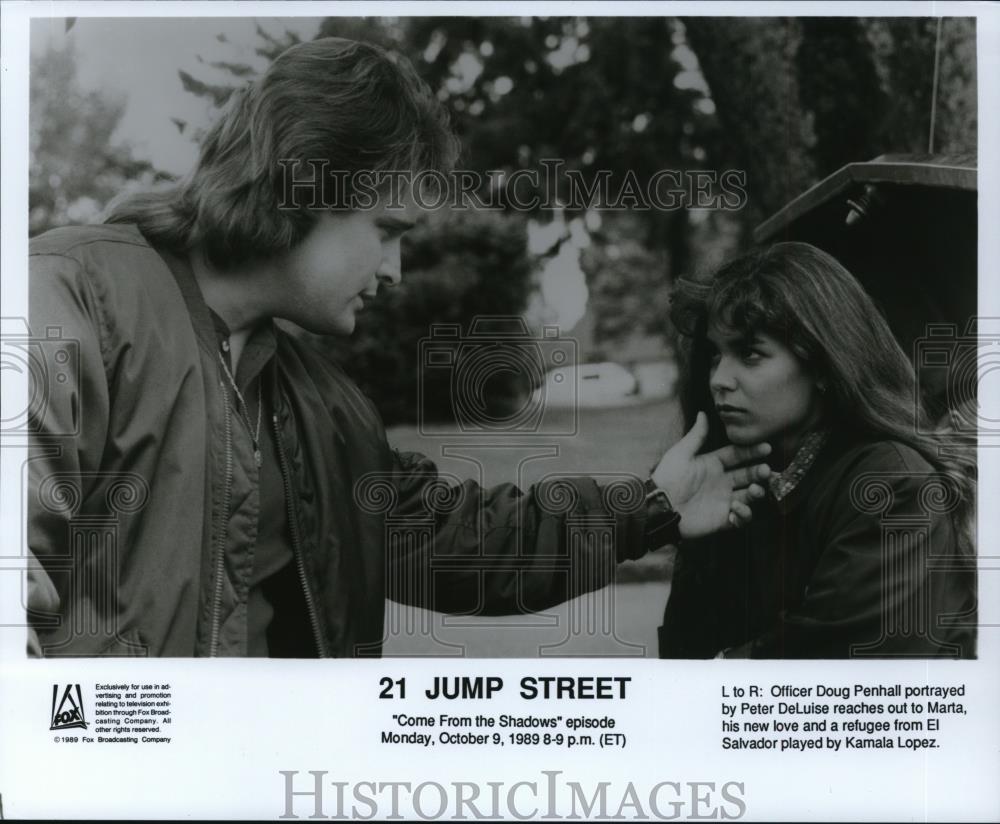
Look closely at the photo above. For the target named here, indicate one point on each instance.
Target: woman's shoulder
(860, 454)
(871, 476)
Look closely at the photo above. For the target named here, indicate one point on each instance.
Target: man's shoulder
(116, 259)
(110, 269)
(77, 241)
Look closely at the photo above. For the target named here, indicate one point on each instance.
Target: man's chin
(341, 326)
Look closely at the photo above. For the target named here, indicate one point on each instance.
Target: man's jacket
(131, 481)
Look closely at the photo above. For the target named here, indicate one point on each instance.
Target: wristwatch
(663, 522)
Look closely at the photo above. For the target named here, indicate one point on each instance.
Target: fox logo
(67, 712)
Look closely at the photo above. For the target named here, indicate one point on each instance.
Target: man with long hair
(248, 477)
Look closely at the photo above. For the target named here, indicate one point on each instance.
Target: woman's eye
(751, 355)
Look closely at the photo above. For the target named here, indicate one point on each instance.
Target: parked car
(588, 384)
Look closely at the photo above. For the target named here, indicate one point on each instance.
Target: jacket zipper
(220, 556)
(293, 529)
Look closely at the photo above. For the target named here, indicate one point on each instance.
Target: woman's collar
(782, 483)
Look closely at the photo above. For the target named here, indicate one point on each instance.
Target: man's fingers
(749, 494)
(739, 514)
(748, 474)
(736, 455)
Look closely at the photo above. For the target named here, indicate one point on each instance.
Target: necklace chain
(244, 410)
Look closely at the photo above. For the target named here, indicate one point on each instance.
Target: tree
(798, 98)
(903, 52)
(600, 95)
(957, 103)
(839, 88)
(749, 64)
(75, 167)
(787, 101)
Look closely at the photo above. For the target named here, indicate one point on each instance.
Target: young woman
(863, 544)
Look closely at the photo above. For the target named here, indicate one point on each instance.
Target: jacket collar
(210, 328)
(201, 315)
(783, 483)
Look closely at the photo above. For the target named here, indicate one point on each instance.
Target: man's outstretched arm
(504, 551)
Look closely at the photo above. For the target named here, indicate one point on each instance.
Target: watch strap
(662, 520)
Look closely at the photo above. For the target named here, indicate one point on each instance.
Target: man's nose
(390, 271)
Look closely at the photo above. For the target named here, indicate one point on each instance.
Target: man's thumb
(695, 436)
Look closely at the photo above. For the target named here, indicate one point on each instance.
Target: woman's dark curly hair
(803, 297)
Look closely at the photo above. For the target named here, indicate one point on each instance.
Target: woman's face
(761, 390)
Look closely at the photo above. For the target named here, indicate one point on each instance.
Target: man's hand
(714, 490)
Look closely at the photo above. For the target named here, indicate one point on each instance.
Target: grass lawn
(620, 620)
